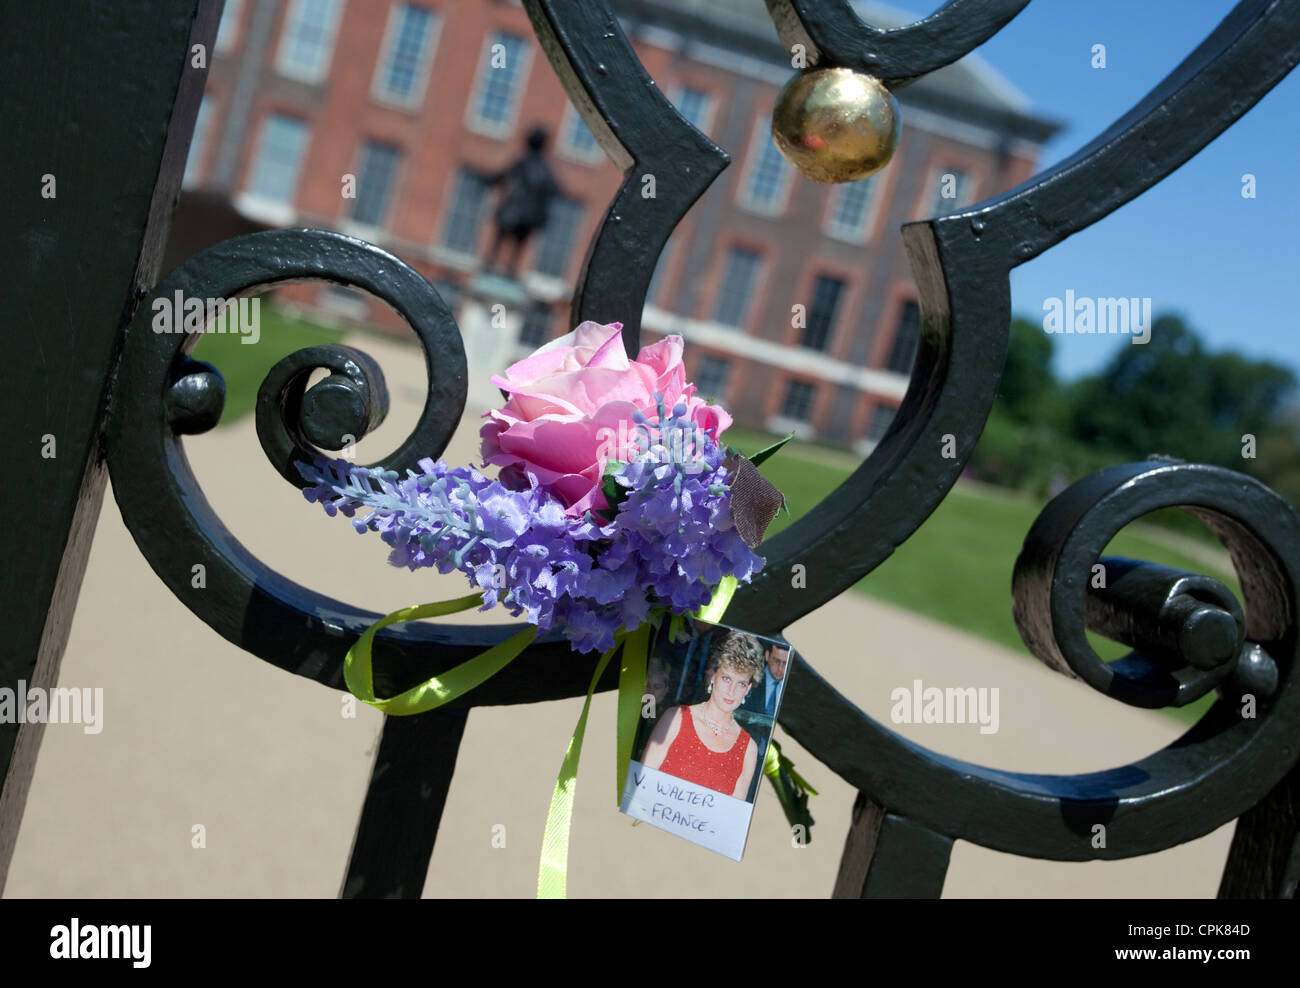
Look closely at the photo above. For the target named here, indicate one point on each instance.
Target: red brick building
(380, 118)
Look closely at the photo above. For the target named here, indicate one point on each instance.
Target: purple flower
(665, 549)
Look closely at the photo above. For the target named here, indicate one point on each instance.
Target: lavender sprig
(667, 546)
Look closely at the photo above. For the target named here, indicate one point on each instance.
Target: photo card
(707, 714)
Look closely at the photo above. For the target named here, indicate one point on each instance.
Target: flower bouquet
(615, 505)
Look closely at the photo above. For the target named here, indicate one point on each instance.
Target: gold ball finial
(836, 125)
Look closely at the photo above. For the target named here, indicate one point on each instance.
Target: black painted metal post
(1264, 860)
(89, 188)
(889, 857)
(403, 807)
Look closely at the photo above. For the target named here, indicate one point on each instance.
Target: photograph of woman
(702, 742)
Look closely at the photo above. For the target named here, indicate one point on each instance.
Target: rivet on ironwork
(1256, 674)
(196, 398)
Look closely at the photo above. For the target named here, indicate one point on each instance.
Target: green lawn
(244, 365)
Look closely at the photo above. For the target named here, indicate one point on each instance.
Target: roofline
(694, 25)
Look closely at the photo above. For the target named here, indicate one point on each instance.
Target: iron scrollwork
(961, 263)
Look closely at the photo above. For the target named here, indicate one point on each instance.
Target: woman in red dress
(702, 743)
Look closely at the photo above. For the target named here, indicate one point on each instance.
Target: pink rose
(569, 398)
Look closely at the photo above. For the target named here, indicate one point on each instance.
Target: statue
(529, 188)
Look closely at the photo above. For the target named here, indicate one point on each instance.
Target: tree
(1029, 389)
(1170, 396)
(1277, 455)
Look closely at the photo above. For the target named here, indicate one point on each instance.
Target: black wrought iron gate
(104, 97)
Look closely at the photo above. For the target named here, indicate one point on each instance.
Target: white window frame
(439, 248)
(574, 240)
(490, 128)
(291, 71)
(837, 315)
(369, 231)
(729, 376)
(416, 99)
(763, 133)
(863, 232)
(728, 250)
(232, 16)
(256, 198)
(705, 127)
(568, 150)
(785, 400)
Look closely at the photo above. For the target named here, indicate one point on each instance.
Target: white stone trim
(796, 360)
(266, 210)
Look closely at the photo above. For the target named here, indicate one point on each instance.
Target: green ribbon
(358, 672)
(792, 789)
(553, 871)
(776, 761)
(711, 613)
(631, 682)
(675, 627)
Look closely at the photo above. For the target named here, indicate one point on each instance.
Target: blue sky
(1192, 244)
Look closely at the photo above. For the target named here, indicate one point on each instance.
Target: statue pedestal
(490, 317)
(498, 288)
